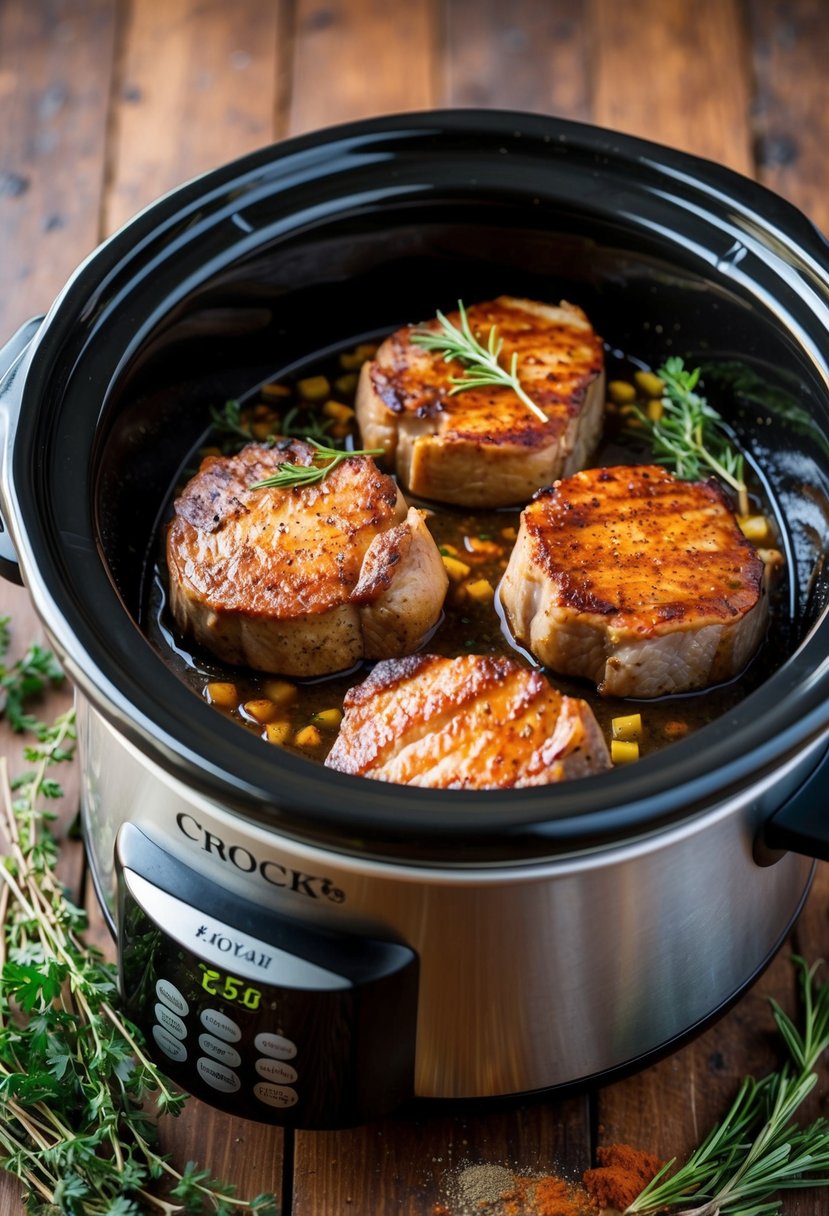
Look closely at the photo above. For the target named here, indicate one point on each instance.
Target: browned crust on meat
(474, 722)
(643, 550)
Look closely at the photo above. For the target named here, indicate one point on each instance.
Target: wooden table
(104, 104)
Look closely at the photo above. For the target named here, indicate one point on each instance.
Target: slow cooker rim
(641, 795)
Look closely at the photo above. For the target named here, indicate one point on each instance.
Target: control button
(170, 1021)
(220, 1051)
(217, 1076)
(274, 1045)
(275, 1070)
(172, 998)
(220, 1024)
(275, 1095)
(171, 1046)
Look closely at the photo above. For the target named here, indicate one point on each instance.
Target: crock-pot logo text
(310, 885)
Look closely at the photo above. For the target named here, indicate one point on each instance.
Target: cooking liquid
(483, 541)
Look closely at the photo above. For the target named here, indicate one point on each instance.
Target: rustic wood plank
(55, 61)
(356, 58)
(790, 52)
(676, 73)
(408, 1165)
(199, 86)
(524, 56)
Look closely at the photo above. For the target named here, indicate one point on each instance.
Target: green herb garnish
(76, 1122)
(482, 361)
(690, 437)
(24, 680)
(307, 474)
(235, 430)
(757, 1150)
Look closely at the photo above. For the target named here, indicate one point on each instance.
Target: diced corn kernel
(623, 752)
(481, 591)
(456, 570)
(621, 392)
(649, 383)
(655, 409)
(509, 533)
(275, 390)
(675, 729)
(281, 692)
(449, 551)
(329, 717)
(755, 528)
(315, 388)
(225, 695)
(483, 548)
(309, 736)
(346, 384)
(277, 732)
(352, 360)
(627, 727)
(261, 710)
(771, 557)
(336, 409)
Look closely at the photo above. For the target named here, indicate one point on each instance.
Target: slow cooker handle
(11, 358)
(801, 825)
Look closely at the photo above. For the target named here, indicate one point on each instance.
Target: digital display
(230, 988)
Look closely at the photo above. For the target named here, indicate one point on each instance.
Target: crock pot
(309, 948)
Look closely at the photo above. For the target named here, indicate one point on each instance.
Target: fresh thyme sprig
(482, 361)
(690, 437)
(75, 1124)
(306, 474)
(24, 680)
(757, 1151)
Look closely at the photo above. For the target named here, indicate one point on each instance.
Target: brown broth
(482, 540)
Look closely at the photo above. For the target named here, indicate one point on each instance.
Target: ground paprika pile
(621, 1174)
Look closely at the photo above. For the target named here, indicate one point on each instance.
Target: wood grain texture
(356, 58)
(522, 56)
(408, 1165)
(198, 86)
(791, 51)
(675, 73)
(55, 65)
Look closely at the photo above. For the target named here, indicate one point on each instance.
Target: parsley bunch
(78, 1095)
(24, 680)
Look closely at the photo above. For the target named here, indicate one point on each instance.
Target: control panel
(257, 1013)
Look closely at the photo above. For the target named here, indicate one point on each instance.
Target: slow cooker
(308, 948)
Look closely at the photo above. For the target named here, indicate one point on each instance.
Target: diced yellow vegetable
(449, 550)
(456, 570)
(621, 392)
(483, 548)
(649, 383)
(273, 391)
(223, 694)
(315, 388)
(261, 710)
(509, 534)
(623, 752)
(328, 717)
(281, 692)
(277, 732)
(755, 528)
(771, 557)
(309, 736)
(481, 591)
(627, 727)
(336, 409)
(655, 409)
(352, 360)
(261, 430)
(346, 384)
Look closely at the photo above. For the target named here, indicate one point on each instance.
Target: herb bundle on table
(76, 1089)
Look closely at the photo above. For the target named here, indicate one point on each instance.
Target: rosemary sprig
(690, 437)
(757, 1151)
(483, 362)
(76, 1125)
(306, 474)
(234, 428)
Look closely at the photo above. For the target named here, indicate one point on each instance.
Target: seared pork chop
(306, 580)
(636, 580)
(475, 722)
(483, 447)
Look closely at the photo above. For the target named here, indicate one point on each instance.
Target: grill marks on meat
(483, 447)
(636, 580)
(474, 722)
(301, 581)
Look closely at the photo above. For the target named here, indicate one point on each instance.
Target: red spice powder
(621, 1174)
(546, 1196)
